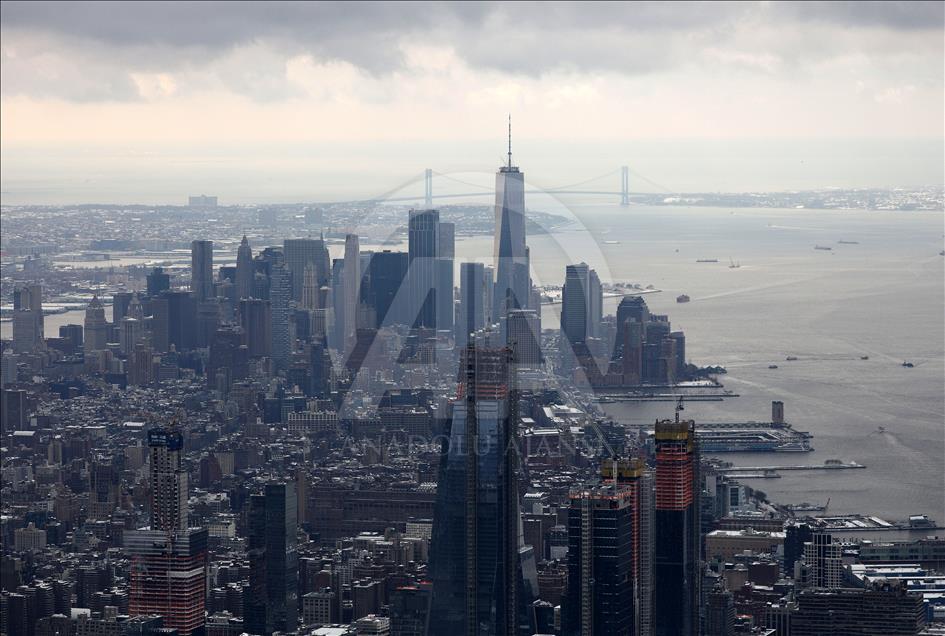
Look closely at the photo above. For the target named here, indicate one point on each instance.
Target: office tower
(473, 294)
(575, 303)
(301, 252)
(158, 281)
(511, 259)
(387, 272)
(228, 360)
(174, 318)
(28, 329)
(13, 410)
(256, 324)
(524, 337)
(423, 245)
(595, 304)
(208, 319)
(131, 332)
(309, 288)
(280, 292)
(824, 560)
(245, 270)
(95, 332)
(600, 580)
(336, 337)
(201, 269)
(446, 252)
(352, 289)
(630, 307)
(169, 560)
(676, 522)
(478, 585)
(273, 560)
(120, 302)
(885, 608)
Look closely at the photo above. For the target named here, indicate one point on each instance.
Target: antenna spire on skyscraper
(510, 140)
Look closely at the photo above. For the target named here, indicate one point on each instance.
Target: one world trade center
(511, 257)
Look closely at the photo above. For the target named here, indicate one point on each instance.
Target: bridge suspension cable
(580, 183)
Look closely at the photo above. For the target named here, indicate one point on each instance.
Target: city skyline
(566, 408)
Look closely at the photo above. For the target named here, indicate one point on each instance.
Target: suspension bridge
(623, 194)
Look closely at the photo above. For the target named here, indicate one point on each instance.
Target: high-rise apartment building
(824, 560)
(601, 533)
(280, 295)
(273, 560)
(169, 560)
(387, 272)
(581, 302)
(676, 573)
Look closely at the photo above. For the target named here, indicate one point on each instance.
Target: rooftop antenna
(510, 140)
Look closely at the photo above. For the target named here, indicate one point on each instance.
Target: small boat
(848, 242)
(791, 358)
(707, 260)
(733, 264)
(826, 248)
(864, 357)
(907, 364)
(772, 366)
(682, 298)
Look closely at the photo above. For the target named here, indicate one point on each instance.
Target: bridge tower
(428, 188)
(624, 185)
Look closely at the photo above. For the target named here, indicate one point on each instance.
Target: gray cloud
(112, 39)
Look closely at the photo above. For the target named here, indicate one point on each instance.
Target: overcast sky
(84, 84)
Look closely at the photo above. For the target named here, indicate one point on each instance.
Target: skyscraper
(169, 560)
(676, 522)
(575, 303)
(95, 328)
(523, 331)
(476, 569)
(273, 560)
(158, 281)
(299, 253)
(387, 272)
(473, 296)
(309, 288)
(245, 271)
(280, 292)
(352, 288)
(600, 562)
(511, 259)
(28, 330)
(201, 269)
(446, 251)
(423, 246)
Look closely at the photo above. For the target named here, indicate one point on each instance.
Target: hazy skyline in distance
(144, 102)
